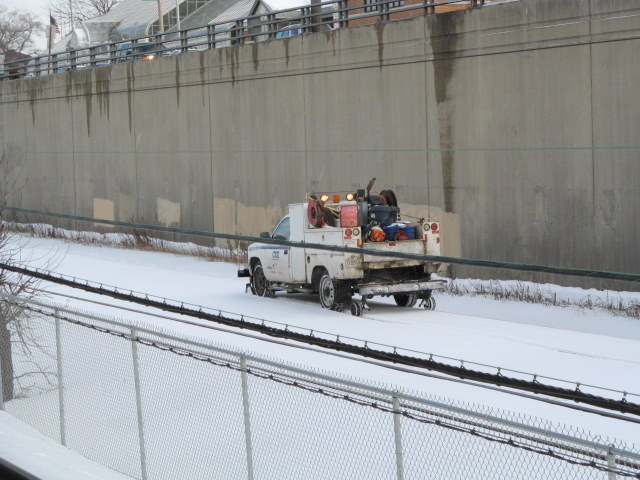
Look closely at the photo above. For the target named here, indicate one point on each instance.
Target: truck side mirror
(265, 235)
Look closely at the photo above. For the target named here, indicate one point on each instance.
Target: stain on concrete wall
(104, 209)
(168, 212)
(230, 216)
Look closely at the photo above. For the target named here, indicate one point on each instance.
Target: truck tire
(259, 284)
(332, 293)
(406, 299)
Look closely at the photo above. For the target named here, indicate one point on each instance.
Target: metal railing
(473, 262)
(255, 28)
(155, 405)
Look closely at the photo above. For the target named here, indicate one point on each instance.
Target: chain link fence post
(247, 419)
(611, 463)
(398, 438)
(63, 430)
(136, 379)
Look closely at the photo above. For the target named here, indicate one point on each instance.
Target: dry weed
(523, 292)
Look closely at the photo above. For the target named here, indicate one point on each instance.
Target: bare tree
(17, 30)
(18, 337)
(80, 10)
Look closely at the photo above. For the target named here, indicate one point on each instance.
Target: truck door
(278, 266)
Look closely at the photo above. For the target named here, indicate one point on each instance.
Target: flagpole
(49, 42)
(161, 20)
(71, 9)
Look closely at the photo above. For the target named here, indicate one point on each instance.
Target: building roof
(134, 16)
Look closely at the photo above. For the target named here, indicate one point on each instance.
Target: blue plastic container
(409, 231)
(391, 232)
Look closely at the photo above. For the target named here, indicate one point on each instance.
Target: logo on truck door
(275, 254)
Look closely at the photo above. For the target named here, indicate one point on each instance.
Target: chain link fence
(156, 406)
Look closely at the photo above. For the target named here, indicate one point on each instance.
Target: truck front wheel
(260, 286)
(333, 294)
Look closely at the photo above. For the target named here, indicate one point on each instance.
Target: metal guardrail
(255, 28)
(525, 443)
(470, 262)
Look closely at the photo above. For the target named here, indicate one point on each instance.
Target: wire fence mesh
(156, 406)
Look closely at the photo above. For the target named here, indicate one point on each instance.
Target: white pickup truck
(337, 276)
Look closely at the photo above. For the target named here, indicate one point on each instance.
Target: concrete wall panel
(514, 124)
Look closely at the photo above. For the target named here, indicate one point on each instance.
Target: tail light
(348, 232)
(434, 226)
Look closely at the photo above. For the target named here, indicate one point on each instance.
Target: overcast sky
(38, 7)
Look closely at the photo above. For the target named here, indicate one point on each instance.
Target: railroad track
(349, 345)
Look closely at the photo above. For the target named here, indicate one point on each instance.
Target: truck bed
(402, 246)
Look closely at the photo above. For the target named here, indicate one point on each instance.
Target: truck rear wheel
(406, 299)
(332, 293)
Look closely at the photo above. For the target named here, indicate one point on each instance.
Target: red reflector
(392, 244)
(438, 240)
(348, 232)
(434, 226)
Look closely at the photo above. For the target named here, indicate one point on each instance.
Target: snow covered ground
(592, 347)
(28, 449)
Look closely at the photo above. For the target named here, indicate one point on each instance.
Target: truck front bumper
(406, 287)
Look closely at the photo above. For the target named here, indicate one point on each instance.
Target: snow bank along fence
(321, 16)
(153, 405)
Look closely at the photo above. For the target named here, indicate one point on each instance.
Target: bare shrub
(18, 338)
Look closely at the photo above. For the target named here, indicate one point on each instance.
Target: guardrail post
(63, 429)
(92, 56)
(385, 12)
(72, 59)
(136, 379)
(398, 438)
(134, 50)
(238, 33)
(183, 40)
(113, 49)
(211, 37)
(430, 9)
(247, 418)
(343, 14)
(272, 26)
(611, 463)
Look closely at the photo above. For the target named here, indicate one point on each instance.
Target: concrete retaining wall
(506, 123)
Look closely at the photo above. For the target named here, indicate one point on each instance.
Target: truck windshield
(282, 231)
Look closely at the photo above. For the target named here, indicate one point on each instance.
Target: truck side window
(283, 230)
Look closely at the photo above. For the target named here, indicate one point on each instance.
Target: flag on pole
(54, 23)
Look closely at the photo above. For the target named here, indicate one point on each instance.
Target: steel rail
(565, 271)
(355, 358)
(167, 341)
(534, 386)
(391, 349)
